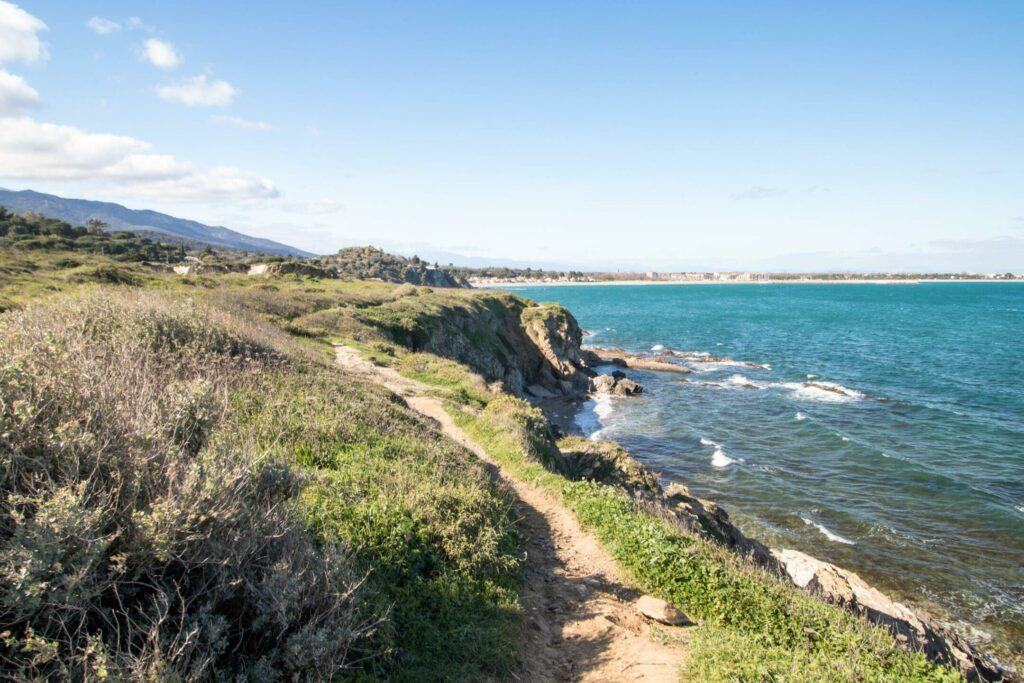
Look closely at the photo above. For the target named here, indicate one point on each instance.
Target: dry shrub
(129, 545)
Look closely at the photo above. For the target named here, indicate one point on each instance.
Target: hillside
(188, 470)
(371, 263)
(117, 217)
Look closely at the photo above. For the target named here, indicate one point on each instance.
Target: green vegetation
(188, 489)
(36, 232)
(188, 492)
(370, 263)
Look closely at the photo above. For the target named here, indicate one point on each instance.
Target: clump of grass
(131, 546)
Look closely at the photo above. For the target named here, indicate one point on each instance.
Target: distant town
(506, 276)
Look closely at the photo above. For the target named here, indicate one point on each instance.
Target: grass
(191, 493)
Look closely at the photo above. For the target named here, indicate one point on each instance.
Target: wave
(827, 392)
(719, 458)
(799, 417)
(591, 419)
(1020, 508)
(835, 538)
(658, 347)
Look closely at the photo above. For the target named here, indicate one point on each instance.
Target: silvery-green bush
(132, 545)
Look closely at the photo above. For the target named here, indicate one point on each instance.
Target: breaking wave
(719, 458)
(834, 537)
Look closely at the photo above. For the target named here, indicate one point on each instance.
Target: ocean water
(879, 427)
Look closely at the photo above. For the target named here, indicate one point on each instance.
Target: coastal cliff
(536, 352)
(372, 490)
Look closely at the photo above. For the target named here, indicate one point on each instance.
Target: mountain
(117, 217)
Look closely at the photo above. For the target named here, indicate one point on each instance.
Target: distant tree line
(37, 232)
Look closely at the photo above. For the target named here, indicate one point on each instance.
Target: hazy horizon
(588, 136)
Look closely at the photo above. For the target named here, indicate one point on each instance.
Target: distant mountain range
(117, 217)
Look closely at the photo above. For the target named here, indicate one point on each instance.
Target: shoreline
(498, 284)
(931, 627)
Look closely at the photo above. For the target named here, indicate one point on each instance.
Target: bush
(131, 543)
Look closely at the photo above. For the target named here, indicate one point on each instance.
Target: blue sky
(799, 136)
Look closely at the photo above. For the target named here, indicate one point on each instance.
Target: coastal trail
(579, 621)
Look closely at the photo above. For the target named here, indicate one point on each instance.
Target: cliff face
(531, 349)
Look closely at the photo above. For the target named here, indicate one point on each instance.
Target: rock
(618, 374)
(844, 588)
(538, 391)
(659, 610)
(627, 387)
(603, 384)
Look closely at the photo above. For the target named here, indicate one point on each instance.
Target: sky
(807, 136)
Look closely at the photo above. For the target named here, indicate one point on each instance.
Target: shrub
(131, 543)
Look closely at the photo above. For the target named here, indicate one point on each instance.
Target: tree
(94, 226)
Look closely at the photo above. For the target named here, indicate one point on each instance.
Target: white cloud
(238, 122)
(18, 39)
(50, 152)
(101, 26)
(315, 207)
(199, 92)
(15, 94)
(161, 54)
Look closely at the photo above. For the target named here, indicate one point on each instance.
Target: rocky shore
(576, 369)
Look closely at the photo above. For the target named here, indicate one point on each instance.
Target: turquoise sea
(879, 427)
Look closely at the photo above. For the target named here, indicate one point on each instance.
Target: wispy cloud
(161, 54)
(136, 24)
(102, 27)
(238, 122)
(199, 92)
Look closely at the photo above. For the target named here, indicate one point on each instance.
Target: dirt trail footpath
(579, 620)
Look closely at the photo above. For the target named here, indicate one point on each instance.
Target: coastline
(499, 284)
(669, 498)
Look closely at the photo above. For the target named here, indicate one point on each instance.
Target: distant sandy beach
(558, 283)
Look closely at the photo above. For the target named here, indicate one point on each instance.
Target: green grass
(434, 536)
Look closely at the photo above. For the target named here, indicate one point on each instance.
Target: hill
(117, 217)
(371, 263)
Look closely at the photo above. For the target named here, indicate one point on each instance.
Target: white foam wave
(810, 376)
(1020, 508)
(658, 347)
(845, 438)
(718, 458)
(835, 538)
(603, 406)
(592, 417)
(827, 392)
(799, 417)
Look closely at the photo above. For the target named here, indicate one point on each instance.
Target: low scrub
(130, 546)
(189, 494)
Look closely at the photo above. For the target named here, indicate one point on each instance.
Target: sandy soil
(579, 620)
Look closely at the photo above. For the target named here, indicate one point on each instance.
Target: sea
(878, 427)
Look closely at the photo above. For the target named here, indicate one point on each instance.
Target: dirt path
(579, 619)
